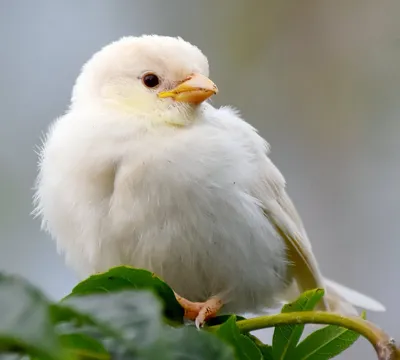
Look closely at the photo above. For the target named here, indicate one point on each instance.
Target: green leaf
(84, 347)
(266, 351)
(286, 337)
(220, 319)
(131, 321)
(244, 347)
(195, 345)
(128, 278)
(132, 317)
(325, 343)
(181, 343)
(62, 314)
(25, 321)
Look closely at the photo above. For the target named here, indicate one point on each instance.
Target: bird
(142, 170)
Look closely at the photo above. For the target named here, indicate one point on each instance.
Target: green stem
(384, 346)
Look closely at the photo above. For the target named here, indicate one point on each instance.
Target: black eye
(150, 80)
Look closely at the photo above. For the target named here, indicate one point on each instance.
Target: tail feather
(340, 299)
(341, 296)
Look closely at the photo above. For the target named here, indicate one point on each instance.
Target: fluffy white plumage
(182, 189)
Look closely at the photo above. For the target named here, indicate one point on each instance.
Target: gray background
(320, 79)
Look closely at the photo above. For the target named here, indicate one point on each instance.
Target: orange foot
(199, 312)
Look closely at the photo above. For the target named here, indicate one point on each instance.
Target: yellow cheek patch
(126, 98)
(132, 102)
(176, 122)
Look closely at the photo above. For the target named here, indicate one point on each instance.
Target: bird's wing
(281, 213)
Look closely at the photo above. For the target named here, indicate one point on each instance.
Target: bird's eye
(150, 80)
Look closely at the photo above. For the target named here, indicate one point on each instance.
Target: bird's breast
(193, 221)
(180, 205)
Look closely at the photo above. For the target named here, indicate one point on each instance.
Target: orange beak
(195, 89)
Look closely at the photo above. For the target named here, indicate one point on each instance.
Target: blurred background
(319, 79)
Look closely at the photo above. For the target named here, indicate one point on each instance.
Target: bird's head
(155, 78)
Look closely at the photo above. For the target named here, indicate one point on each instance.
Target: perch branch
(384, 345)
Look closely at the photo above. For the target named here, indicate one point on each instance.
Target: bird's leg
(199, 312)
(191, 309)
(210, 309)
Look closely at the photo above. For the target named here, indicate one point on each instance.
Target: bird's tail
(344, 300)
(340, 299)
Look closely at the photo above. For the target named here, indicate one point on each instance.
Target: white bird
(143, 171)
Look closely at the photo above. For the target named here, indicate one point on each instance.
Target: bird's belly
(210, 244)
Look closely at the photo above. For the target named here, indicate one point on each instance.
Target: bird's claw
(200, 312)
(199, 323)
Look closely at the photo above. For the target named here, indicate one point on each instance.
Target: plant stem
(384, 346)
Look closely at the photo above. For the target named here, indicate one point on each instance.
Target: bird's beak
(194, 89)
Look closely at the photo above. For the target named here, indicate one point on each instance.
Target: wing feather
(282, 214)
